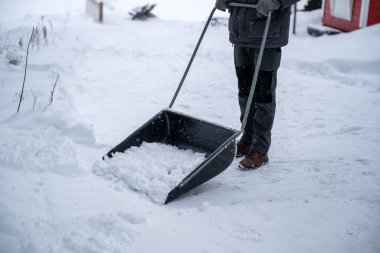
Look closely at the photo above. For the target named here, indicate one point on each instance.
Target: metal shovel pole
(258, 63)
(251, 93)
(192, 57)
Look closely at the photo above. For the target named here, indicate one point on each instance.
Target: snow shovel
(187, 132)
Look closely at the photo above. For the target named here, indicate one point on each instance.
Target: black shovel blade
(186, 132)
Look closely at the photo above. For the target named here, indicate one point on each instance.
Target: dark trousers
(257, 132)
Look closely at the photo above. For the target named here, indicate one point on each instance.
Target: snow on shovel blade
(186, 132)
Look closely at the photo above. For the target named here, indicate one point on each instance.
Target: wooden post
(101, 12)
(94, 8)
(295, 18)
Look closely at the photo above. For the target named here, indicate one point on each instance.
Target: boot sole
(253, 167)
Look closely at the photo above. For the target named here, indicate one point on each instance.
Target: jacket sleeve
(287, 3)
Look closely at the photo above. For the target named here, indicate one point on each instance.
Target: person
(246, 29)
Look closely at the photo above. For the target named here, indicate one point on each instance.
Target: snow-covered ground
(319, 193)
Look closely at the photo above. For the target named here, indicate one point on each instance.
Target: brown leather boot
(253, 160)
(242, 149)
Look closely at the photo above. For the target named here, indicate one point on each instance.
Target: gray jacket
(246, 29)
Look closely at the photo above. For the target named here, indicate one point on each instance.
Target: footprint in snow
(246, 233)
(132, 218)
(348, 130)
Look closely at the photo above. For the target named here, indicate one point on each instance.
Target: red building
(349, 15)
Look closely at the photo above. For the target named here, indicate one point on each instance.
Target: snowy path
(320, 192)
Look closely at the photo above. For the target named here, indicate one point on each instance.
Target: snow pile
(153, 168)
(43, 141)
(45, 136)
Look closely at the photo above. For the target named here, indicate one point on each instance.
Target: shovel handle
(199, 43)
(258, 63)
(192, 57)
(256, 73)
(252, 90)
(253, 6)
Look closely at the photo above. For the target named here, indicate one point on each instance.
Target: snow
(152, 168)
(194, 10)
(319, 192)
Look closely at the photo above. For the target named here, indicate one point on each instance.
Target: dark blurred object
(313, 5)
(143, 12)
(319, 30)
